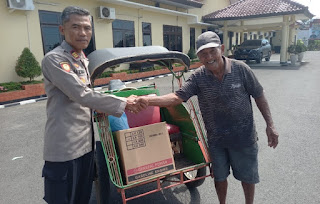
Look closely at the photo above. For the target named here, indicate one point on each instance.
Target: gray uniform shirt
(68, 131)
(225, 105)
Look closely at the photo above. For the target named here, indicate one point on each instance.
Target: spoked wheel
(195, 174)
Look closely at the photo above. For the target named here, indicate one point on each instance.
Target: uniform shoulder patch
(65, 66)
(75, 54)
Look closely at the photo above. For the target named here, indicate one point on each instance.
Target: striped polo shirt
(225, 105)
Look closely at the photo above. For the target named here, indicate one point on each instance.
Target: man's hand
(167, 100)
(136, 104)
(272, 137)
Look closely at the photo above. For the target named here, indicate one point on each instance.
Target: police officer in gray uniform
(68, 143)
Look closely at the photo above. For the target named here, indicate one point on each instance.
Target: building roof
(244, 9)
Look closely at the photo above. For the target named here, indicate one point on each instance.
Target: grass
(14, 86)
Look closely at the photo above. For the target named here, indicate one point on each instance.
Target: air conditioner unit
(106, 13)
(21, 4)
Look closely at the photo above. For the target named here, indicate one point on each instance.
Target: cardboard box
(145, 152)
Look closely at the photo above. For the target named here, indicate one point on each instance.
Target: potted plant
(293, 54)
(300, 49)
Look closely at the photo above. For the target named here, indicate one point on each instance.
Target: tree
(27, 66)
(192, 53)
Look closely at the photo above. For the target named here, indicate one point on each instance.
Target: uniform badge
(83, 80)
(65, 66)
(75, 54)
(76, 65)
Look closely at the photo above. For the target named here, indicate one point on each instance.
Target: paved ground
(289, 174)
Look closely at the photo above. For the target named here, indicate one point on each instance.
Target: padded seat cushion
(172, 129)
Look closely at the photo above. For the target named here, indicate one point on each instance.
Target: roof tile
(252, 8)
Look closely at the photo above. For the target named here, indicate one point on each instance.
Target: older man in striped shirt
(224, 88)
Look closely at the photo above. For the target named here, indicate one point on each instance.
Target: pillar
(292, 30)
(284, 40)
(242, 33)
(225, 38)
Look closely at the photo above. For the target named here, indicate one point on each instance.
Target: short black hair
(68, 11)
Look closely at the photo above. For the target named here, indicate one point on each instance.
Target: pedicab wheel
(103, 181)
(194, 174)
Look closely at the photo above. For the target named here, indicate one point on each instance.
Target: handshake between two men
(135, 104)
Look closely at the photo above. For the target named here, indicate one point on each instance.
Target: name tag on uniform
(79, 71)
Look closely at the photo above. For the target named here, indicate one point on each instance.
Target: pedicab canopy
(102, 59)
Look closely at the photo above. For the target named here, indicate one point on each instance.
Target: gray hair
(68, 11)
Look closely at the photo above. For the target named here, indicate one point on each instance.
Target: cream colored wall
(209, 7)
(17, 33)
(21, 29)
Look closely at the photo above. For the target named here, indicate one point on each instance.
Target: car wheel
(268, 57)
(258, 60)
(194, 174)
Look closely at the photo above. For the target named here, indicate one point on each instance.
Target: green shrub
(105, 74)
(192, 53)
(10, 86)
(314, 45)
(31, 82)
(195, 60)
(27, 66)
(300, 47)
(132, 71)
(159, 67)
(177, 65)
(292, 49)
(14, 86)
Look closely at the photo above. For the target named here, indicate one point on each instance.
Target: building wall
(21, 29)
(209, 7)
(303, 35)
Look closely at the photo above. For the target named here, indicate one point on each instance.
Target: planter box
(30, 90)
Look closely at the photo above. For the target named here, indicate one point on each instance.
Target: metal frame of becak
(186, 116)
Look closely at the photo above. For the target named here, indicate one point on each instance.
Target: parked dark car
(253, 50)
